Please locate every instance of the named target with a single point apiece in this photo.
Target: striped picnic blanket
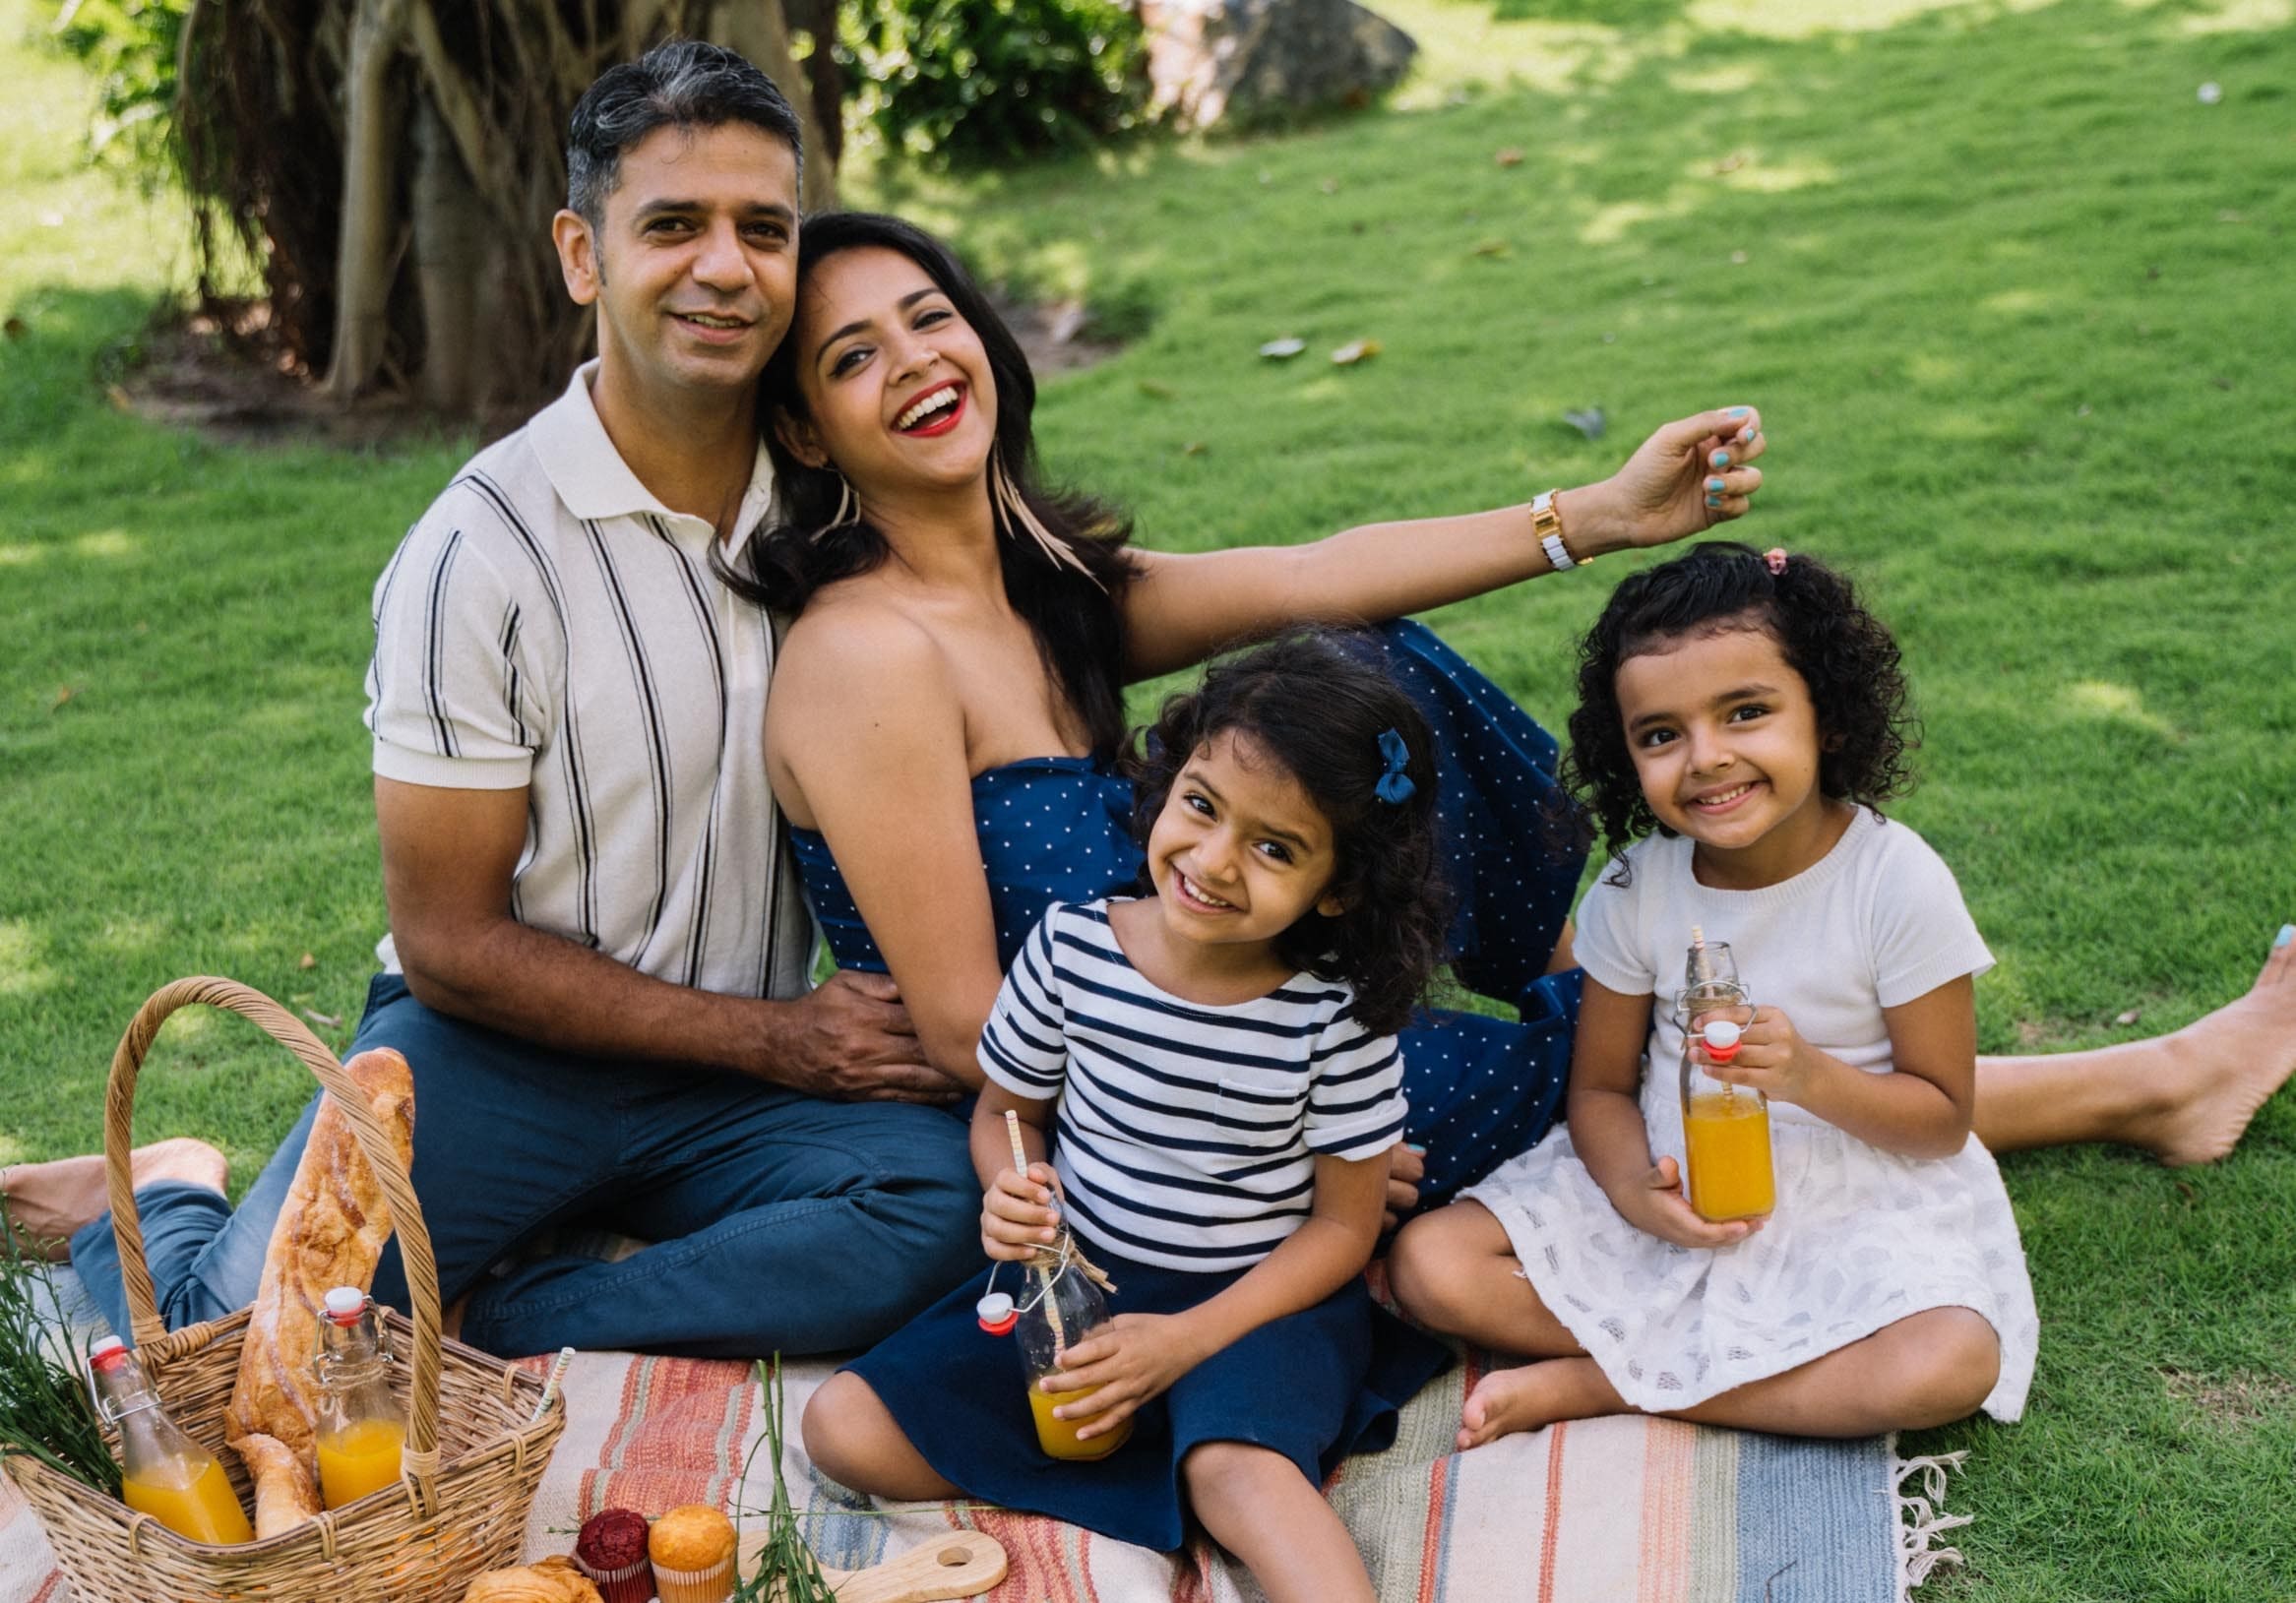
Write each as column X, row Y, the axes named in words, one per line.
column 1613, row 1510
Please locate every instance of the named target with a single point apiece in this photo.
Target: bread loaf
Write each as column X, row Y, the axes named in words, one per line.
column 329, row 1233
column 553, row 1580
column 283, row 1494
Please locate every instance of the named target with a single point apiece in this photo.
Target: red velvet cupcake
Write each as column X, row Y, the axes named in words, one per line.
column 611, row 1550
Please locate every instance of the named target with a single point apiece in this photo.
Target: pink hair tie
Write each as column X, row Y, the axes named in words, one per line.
column 1776, row 559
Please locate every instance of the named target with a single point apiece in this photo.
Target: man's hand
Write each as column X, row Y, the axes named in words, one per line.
column 1657, row 1206
column 1127, row 1362
column 850, row 1040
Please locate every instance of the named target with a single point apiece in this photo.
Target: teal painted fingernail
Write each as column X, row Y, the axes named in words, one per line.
column 2286, row 935
column 1722, row 459
column 1713, row 486
column 1715, row 503
column 1746, row 435
column 1738, row 411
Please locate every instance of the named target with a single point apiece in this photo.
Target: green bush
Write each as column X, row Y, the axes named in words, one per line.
column 130, row 45
column 973, row 81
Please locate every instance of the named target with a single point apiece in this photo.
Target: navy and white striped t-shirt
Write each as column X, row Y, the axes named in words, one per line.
column 1186, row 1135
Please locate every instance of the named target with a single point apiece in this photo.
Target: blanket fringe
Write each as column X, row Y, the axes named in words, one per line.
column 1918, row 1491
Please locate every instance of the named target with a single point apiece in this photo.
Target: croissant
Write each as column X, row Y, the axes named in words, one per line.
column 329, row 1233
column 553, row 1580
column 283, row 1494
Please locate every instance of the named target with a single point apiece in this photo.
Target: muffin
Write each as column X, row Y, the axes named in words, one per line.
column 692, row 1555
column 611, row 1550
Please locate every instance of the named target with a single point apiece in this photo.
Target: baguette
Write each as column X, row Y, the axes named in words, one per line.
column 329, row 1233
column 283, row 1494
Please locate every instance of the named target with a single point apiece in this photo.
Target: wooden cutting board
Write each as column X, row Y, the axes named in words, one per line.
column 963, row 1563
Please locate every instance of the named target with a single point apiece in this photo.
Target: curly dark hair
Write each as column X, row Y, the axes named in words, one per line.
column 1077, row 620
column 1317, row 703
column 1843, row 653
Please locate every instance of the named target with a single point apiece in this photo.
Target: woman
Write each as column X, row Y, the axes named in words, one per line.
column 951, row 695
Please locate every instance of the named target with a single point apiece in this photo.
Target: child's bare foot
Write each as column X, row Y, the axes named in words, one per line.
column 1530, row 1397
column 47, row 1201
column 2218, row 1071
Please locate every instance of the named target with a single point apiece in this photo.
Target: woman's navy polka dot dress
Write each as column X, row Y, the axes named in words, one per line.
column 1481, row 1089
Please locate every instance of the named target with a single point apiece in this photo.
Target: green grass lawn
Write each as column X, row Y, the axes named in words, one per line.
column 2017, row 308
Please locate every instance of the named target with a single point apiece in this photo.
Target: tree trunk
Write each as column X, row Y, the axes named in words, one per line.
column 760, row 31
column 452, row 257
column 367, row 251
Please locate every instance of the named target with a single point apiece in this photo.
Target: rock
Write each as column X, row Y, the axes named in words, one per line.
column 1242, row 62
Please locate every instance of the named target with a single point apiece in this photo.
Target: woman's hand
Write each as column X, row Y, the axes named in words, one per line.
column 1020, row 1213
column 1771, row 1056
column 1406, row 1167
column 1656, row 1205
column 1127, row 1362
column 1689, row 475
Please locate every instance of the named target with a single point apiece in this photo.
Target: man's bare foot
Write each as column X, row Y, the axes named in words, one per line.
column 1530, row 1397
column 2217, row 1071
column 47, row 1201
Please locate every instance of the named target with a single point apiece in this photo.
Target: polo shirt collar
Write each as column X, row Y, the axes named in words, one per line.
column 594, row 483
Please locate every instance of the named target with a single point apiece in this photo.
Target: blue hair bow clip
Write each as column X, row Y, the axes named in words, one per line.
column 1394, row 785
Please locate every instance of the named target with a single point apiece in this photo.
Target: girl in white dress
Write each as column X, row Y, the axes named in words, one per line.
column 1740, row 717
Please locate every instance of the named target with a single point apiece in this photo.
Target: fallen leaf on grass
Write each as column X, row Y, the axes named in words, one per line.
column 1282, row 350
column 1492, row 247
column 306, row 961
column 2129, row 1016
column 1731, row 162
column 1590, row 421
column 118, row 399
column 1355, row 350
column 1157, row 391
column 326, row 1020
column 1194, row 448
column 64, row 693
column 1508, row 158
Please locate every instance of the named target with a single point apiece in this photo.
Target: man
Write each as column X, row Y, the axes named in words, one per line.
column 598, row 961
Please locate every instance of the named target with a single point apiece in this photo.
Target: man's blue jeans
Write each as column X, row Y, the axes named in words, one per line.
column 778, row 1221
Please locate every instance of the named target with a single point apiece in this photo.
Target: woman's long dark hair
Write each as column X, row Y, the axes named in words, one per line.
column 1318, row 702
column 1077, row 620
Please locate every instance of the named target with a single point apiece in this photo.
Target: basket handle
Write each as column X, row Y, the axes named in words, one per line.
column 151, row 1338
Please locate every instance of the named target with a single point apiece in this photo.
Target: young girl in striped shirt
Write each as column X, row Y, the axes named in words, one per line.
column 1216, row 1062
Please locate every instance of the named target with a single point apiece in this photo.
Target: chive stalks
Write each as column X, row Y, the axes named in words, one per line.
column 45, row 1411
column 786, row 1570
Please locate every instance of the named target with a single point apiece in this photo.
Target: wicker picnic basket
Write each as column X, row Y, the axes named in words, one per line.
column 474, row 1450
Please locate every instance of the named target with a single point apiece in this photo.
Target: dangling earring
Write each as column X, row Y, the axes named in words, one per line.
column 1014, row 516
column 848, row 507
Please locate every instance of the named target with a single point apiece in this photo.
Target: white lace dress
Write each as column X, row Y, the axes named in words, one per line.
column 1860, row 1238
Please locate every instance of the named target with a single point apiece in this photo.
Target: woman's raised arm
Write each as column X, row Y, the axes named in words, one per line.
column 1182, row 608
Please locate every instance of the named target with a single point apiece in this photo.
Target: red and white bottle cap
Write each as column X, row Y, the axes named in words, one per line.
column 1721, row 1038
column 107, row 1354
column 345, row 1304
column 996, row 1313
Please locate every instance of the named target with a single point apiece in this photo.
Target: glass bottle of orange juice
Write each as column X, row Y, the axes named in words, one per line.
column 1725, row 1127
column 163, row 1473
column 1059, row 1308
column 361, row 1432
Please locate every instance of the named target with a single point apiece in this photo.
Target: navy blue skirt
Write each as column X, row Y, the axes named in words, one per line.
column 1314, row 1387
